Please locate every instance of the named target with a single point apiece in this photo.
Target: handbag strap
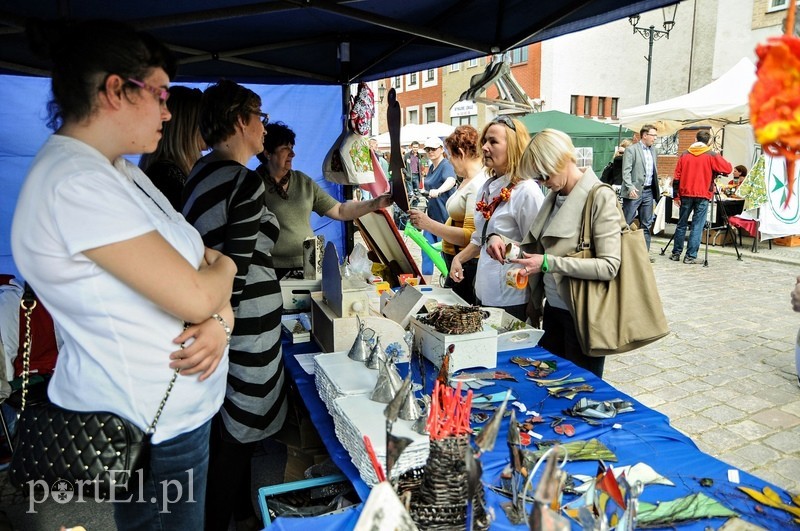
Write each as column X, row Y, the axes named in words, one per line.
column 28, row 302
column 586, row 223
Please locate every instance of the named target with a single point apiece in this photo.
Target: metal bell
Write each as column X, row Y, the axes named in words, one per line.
column 376, row 355
column 358, row 352
column 384, row 390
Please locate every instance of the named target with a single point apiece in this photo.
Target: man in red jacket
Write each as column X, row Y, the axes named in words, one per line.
column 693, row 187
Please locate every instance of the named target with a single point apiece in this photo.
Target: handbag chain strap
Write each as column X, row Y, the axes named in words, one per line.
column 28, row 303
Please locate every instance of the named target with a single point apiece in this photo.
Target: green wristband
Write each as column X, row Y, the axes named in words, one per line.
column 545, row 267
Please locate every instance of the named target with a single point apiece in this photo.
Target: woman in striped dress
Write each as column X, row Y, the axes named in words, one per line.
column 224, row 200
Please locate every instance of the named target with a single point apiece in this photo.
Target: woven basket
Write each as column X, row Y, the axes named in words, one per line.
column 454, row 320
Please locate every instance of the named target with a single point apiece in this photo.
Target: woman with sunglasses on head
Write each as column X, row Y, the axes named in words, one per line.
column 555, row 233
column 119, row 269
column 292, row 196
column 507, row 204
column 467, row 160
column 225, row 201
column 180, row 146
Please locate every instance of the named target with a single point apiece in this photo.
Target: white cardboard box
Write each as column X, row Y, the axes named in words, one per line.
column 335, row 334
column 296, row 293
column 478, row 349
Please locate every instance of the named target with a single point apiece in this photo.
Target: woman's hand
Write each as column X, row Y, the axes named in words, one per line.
column 496, row 248
column 531, row 263
column 796, row 296
column 382, row 201
column 457, row 269
column 206, row 348
column 419, row 219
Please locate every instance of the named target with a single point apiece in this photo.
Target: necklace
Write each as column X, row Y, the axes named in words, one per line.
column 487, row 209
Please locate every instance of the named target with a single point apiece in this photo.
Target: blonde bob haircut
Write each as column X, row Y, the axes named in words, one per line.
column 548, row 153
column 516, row 140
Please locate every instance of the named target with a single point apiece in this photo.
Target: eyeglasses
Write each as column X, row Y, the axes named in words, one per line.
column 264, row 117
column 429, row 149
column 505, row 120
column 161, row 94
column 542, row 178
column 651, row 134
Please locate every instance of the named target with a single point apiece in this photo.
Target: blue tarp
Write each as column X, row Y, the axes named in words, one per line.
column 313, row 112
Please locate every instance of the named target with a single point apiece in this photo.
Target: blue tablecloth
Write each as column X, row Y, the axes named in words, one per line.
column 644, row 435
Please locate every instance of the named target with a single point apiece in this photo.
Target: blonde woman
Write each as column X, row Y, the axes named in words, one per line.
column 555, row 233
column 467, row 160
column 506, row 206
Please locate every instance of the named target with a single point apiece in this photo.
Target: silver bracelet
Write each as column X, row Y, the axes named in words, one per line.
column 224, row 324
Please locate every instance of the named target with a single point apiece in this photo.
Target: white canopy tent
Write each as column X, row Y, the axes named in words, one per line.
column 418, row 132
column 721, row 102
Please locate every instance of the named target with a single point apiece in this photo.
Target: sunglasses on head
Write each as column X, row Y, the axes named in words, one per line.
column 505, row 120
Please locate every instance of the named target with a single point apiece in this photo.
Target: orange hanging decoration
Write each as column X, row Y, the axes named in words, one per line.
column 775, row 98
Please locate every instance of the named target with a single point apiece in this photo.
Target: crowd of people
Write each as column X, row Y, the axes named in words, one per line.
column 176, row 263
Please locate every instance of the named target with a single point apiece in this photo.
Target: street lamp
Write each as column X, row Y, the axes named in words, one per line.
column 652, row 34
column 381, row 92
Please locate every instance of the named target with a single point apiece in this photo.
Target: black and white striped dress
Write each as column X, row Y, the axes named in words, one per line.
column 225, row 202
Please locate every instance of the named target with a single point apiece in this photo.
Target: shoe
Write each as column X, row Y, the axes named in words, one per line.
column 652, row 260
column 675, row 257
column 689, row 260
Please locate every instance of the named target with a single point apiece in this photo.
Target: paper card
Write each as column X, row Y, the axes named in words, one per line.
column 306, row 361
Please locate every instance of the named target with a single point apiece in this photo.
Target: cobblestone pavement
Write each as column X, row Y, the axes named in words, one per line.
column 726, row 374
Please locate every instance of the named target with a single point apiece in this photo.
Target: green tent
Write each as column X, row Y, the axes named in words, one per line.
column 601, row 137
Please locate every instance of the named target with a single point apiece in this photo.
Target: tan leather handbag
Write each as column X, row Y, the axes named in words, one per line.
column 624, row 313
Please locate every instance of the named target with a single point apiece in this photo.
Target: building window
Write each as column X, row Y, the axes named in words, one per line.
column 472, row 120
column 396, row 82
column 587, row 105
column 573, row 105
column 430, row 114
column 614, row 107
column 455, row 67
column 584, row 156
column 777, row 5
column 517, row 55
column 413, row 116
column 601, row 107
column 412, row 78
column 472, row 63
column 429, row 78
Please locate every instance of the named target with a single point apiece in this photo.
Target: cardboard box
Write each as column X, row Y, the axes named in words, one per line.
column 718, row 237
column 478, row 349
column 788, row 241
column 297, row 294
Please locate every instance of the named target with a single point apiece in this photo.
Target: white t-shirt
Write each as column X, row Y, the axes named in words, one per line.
column 511, row 219
column 117, row 343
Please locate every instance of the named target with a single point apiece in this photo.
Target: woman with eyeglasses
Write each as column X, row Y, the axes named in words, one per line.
column 180, row 146
column 226, row 202
column 467, row 160
column 555, row 233
column 506, row 206
column 292, row 196
column 119, row 269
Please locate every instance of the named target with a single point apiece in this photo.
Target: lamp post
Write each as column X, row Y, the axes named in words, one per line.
column 652, row 34
column 381, row 92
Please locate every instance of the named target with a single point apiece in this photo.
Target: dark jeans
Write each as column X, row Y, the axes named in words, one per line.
column 698, row 208
column 642, row 208
column 561, row 339
column 173, row 495
column 412, row 183
column 466, row 288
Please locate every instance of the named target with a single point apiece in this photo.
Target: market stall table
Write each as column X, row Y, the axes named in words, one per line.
column 643, row 435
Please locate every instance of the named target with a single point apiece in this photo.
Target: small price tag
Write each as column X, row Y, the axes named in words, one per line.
column 617, row 426
column 535, row 435
column 733, row 475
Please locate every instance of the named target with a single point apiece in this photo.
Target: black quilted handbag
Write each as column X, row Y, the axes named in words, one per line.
column 95, row 451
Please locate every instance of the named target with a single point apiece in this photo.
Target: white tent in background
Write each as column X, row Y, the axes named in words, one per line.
column 721, row 102
column 418, row 132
